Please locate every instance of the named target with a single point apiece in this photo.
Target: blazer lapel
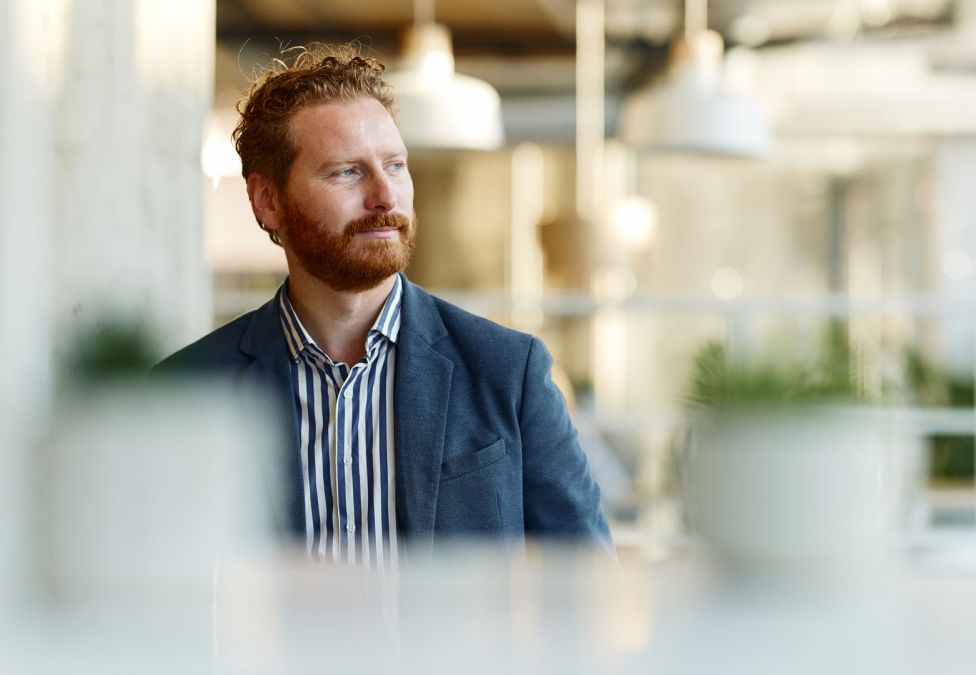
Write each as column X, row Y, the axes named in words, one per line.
column 270, row 374
column 422, row 384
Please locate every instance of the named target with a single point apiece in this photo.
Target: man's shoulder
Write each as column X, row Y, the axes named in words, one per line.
column 463, row 325
column 216, row 350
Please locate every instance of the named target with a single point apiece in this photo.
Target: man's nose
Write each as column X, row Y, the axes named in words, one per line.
column 380, row 195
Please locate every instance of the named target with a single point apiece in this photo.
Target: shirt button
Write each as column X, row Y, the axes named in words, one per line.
column 347, row 461
column 350, row 528
column 347, row 393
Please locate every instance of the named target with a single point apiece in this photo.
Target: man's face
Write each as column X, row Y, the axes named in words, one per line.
column 347, row 206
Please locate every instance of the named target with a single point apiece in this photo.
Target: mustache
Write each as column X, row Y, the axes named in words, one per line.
column 378, row 221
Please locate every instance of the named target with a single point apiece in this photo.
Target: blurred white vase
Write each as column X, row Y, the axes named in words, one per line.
column 145, row 488
column 816, row 488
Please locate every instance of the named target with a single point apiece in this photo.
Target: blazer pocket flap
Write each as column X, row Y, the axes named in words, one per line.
column 477, row 460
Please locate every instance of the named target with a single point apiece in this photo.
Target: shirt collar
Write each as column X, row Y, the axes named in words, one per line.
column 387, row 324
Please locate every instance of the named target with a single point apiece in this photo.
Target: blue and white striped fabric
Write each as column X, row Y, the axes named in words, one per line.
column 347, row 441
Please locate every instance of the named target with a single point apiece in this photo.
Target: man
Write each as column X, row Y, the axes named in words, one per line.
column 409, row 418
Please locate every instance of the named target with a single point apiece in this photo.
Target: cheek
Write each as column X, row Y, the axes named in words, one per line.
column 406, row 194
column 334, row 210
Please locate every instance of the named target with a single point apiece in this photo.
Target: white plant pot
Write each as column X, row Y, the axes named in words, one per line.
column 145, row 488
column 802, row 487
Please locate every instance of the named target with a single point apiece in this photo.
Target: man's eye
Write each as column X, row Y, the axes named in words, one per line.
column 347, row 171
column 398, row 166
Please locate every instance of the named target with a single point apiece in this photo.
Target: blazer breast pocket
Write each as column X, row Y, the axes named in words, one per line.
column 459, row 466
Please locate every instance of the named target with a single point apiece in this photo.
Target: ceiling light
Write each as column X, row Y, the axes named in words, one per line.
column 437, row 107
column 692, row 111
column 751, row 30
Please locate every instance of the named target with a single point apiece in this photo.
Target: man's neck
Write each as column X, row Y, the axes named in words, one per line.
column 338, row 321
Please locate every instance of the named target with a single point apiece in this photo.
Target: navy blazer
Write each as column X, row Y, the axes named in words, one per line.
column 484, row 443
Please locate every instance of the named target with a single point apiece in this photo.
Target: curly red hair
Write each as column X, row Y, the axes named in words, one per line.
column 317, row 74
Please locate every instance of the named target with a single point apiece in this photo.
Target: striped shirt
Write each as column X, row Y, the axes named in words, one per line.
column 346, row 439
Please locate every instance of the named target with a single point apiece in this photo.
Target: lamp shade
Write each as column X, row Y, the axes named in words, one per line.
column 691, row 113
column 438, row 108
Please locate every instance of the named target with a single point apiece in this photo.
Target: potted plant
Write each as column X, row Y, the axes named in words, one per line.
column 790, row 464
column 143, row 483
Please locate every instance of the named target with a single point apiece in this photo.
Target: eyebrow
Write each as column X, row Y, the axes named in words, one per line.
column 325, row 166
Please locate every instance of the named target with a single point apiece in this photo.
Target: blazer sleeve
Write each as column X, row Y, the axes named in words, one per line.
column 561, row 499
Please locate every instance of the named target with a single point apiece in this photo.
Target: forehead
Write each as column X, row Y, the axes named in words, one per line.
column 344, row 130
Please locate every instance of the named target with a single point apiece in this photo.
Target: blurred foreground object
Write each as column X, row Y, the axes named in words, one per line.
column 114, row 350
column 549, row 611
column 143, row 491
column 144, row 488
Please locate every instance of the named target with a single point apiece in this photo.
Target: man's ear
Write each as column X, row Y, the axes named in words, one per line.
column 265, row 201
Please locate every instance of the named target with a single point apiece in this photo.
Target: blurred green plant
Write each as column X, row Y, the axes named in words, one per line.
column 953, row 458
column 937, row 387
column 113, row 349
column 834, row 376
column 831, row 376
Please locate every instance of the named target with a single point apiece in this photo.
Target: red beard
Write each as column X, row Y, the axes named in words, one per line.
column 346, row 262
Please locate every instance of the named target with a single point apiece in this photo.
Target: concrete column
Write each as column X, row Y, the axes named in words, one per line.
column 129, row 235
column 101, row 118
column 30, row 81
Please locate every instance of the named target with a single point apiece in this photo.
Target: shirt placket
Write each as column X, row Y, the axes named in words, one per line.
column 323, row 472
column 347, row 452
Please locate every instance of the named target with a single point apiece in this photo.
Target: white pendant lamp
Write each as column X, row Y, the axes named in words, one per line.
column 438, row 108
column 691, row 112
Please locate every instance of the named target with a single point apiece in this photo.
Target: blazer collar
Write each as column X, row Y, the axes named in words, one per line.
column 420, row 314
column 262, row 331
